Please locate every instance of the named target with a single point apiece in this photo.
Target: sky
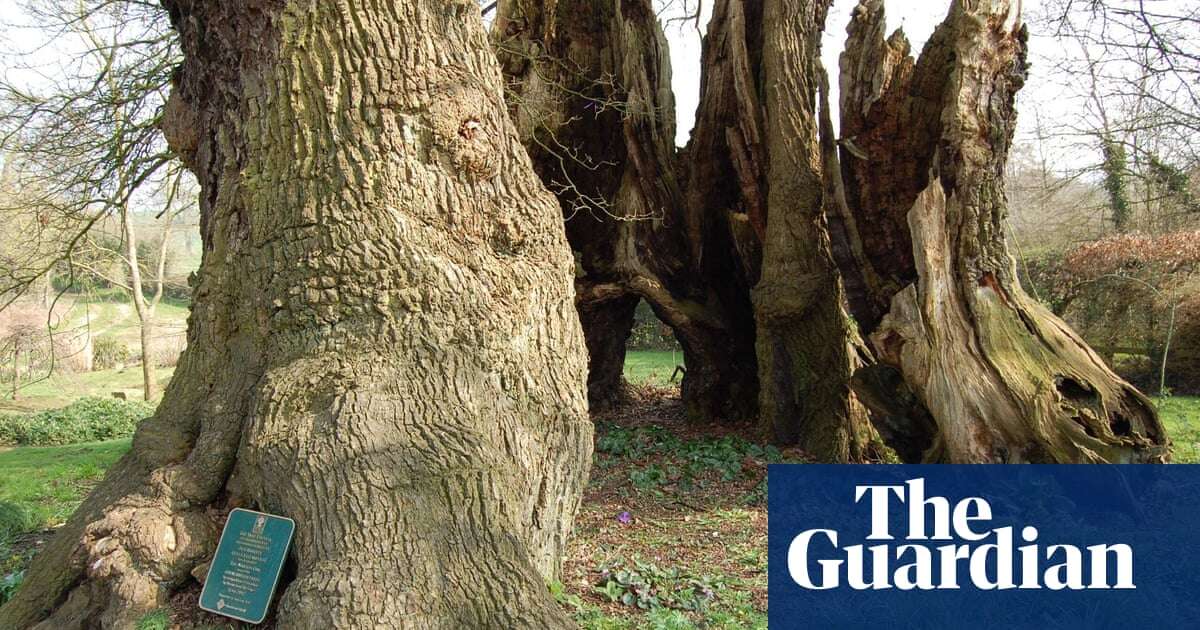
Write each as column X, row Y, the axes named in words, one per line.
column 918, row 18
column 1040, row 97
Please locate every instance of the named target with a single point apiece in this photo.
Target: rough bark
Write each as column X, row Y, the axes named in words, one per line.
column 757, row 194
column 589, row 86
column 383, row 343
column 606, row 312
column 972, row 369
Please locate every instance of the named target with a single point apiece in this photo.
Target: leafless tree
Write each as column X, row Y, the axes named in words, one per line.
column 1134, row 68
column 83, row 131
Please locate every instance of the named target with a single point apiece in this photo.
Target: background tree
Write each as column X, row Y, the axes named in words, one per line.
column 86, row 144
column 1132, row 69
column 382, row 344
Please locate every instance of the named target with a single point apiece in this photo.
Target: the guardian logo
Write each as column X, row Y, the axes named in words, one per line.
column 973, row 554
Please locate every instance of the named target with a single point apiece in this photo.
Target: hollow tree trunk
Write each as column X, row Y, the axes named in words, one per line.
column 606, row 313
column 383, row 344
column 756, row 189
column 590, row 89
column 971, row 369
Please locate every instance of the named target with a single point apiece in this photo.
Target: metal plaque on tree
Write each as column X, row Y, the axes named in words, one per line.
column 245, row 569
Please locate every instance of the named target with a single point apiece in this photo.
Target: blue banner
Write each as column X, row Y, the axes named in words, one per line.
column 933, row 547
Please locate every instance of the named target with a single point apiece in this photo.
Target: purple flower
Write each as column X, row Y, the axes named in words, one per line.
column 625, row 517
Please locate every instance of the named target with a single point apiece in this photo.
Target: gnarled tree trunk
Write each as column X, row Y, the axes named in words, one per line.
column 757, row 178
column 383, row 344
column 807, row 346
column 972, row 369
column 590, row 89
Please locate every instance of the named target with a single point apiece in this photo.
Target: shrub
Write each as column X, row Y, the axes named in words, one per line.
column 14, row 520
column 648, row 333
column 167, row 349
column 9, row 584
column 108, row 353
column 85, row 420
column 1184, row 362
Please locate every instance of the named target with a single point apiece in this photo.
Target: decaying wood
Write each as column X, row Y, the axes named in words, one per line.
column 737, row 260
column 987, row 374
column 589, row 86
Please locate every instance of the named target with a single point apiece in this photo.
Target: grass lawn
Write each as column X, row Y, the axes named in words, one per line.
column 62, row 389
column 49, row 482
column 1181, row 416
column 652, row 367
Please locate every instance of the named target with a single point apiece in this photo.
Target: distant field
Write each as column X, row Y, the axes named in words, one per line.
column 61, row 389
column 106, row 314
column 652, row 366
column 112, row 314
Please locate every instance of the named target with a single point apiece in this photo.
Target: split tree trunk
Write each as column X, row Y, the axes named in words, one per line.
column 590, row 89
column 972, row 369
column 757, row 174
column 383, row 344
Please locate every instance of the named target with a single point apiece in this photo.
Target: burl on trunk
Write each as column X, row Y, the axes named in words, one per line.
column 383, row 344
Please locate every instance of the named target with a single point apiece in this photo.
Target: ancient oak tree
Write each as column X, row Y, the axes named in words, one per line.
column 694, row 231
column 383, row 344
column 810, row 277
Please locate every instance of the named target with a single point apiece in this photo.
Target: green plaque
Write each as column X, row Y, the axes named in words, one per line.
column 245, row 569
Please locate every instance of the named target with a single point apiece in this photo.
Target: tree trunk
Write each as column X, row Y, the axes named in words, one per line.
column 144, row 311
column 589, row 86
column 606, row 313
column 48, row 290
column 971, row 368
column 383, row 344
column 757, row 191
column 149, row 381
column 16, row 370
column 807, row 346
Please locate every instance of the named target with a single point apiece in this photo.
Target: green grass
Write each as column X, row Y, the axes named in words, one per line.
column 1181, row 416
column 49, row 482
column 697, row 536
column 652, row 367
column 157, row 620
column 62, row 389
